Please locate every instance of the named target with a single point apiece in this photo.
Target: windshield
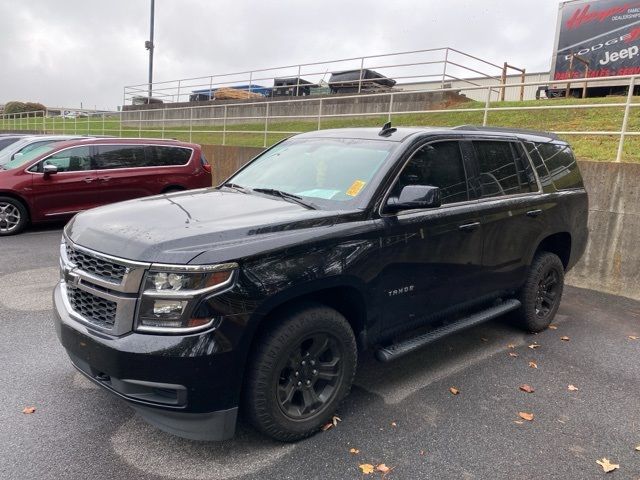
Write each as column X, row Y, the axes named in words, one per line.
column 331, row 172
column 24, row 158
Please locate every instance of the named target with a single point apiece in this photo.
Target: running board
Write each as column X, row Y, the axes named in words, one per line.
column 397, row 350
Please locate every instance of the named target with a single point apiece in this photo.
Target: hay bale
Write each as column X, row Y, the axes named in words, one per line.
column 234, row 94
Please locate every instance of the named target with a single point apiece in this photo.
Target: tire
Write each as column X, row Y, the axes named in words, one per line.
column 541, row 294
column 14, row 216
column 285, row 397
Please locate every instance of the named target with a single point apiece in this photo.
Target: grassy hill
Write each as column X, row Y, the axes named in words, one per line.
column 588, row 147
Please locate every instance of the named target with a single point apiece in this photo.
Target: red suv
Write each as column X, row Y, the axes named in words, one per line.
column 56, row 181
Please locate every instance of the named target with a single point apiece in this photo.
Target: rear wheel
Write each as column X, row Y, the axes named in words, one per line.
column 541, row 294
column 13, row 216
column 301, row 370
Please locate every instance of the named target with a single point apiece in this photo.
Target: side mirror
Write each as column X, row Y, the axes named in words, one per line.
column 50, row 169
column 416, row 196
column 16, row 155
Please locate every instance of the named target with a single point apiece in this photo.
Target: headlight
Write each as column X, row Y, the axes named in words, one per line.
column 170, row 297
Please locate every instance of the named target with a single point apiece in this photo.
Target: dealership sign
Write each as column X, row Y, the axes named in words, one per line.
column 605, row 33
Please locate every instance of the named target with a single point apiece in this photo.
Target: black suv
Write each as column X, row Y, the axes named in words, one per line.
column 258, row 294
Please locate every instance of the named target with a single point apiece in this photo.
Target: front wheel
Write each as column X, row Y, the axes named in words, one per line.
column 13, row 216
column 541, row 294
column 300, row 372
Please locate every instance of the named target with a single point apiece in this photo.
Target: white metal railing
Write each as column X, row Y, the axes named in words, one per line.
column 217, row 122
column 444, row 64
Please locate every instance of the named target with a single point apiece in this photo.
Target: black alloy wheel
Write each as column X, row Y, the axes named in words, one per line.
column 310, row 376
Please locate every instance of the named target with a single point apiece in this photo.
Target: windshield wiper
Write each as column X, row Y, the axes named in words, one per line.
column 237, row 187
column 286, row 196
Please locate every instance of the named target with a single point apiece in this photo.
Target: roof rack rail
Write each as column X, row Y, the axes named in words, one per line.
column 524, row 131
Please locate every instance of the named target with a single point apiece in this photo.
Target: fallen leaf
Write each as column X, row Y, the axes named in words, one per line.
column 527, row 388
column 382, row 468
column 366, row 468
column 638, row 448
column 333, row 423
column 511, row 345
column 519, row 422
column 564, row 339
column 607, row 466
column 533, row 364
column 533, row 346
column 633, row 337
column 526, row 416
column 572, row 388
column 355, row 451
column 394, row 424
column 28, row 410
column 422, row 451
column 454, row 391
column 513, row 354
column 552, row 327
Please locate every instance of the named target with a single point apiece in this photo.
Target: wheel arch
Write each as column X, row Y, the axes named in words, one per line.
column 19, row 198
column 557, row 243
column 343, row 295
column 173, row 188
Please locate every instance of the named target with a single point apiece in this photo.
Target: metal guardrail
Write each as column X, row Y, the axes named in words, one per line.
column 126, row 124
column 443, row 64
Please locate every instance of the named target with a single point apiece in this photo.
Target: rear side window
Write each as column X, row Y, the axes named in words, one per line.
column 503, row 169
column 439, row 165
column 562, row 165
column 541, row 168
column 160, row 156
column 119, row 156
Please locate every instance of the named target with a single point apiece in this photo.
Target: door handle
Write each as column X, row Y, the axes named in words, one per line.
column 468, row 227
column 534, row 213
column 104, row 179
column 89, row 179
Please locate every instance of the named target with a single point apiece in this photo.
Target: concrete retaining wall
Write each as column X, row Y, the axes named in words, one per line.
column 611, row 262
column 211, row 113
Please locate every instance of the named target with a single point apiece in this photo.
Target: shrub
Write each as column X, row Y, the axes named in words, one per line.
column 21, row 107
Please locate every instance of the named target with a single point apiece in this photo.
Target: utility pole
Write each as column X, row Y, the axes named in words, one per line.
column 149, row 46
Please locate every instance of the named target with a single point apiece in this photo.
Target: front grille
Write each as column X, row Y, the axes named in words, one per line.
column 94, row 309
column 96, row 266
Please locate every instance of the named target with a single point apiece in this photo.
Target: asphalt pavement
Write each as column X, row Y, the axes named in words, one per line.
column 401, row 414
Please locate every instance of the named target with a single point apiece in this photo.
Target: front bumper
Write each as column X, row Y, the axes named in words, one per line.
column 185, row 385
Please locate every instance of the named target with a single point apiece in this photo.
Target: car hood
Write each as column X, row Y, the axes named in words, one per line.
column 177, row 228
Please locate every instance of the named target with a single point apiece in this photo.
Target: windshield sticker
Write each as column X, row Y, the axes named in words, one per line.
column 319, row 193
column 355, row 188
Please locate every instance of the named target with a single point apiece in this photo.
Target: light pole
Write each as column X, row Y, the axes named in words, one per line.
column 149, row 46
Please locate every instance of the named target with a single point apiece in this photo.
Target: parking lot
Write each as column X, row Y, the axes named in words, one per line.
column 401, row 414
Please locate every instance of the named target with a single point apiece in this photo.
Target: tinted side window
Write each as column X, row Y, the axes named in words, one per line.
column 119, row 156
column 70, row 160
column 501, row 170
column 159, row 156
column 539, row 165
column 562, row 165
column 440, row 165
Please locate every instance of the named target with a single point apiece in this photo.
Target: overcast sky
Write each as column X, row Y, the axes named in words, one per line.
column 65, row 52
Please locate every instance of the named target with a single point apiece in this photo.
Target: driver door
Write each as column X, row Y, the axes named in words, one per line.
column 70, row 190
column 432, row 256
